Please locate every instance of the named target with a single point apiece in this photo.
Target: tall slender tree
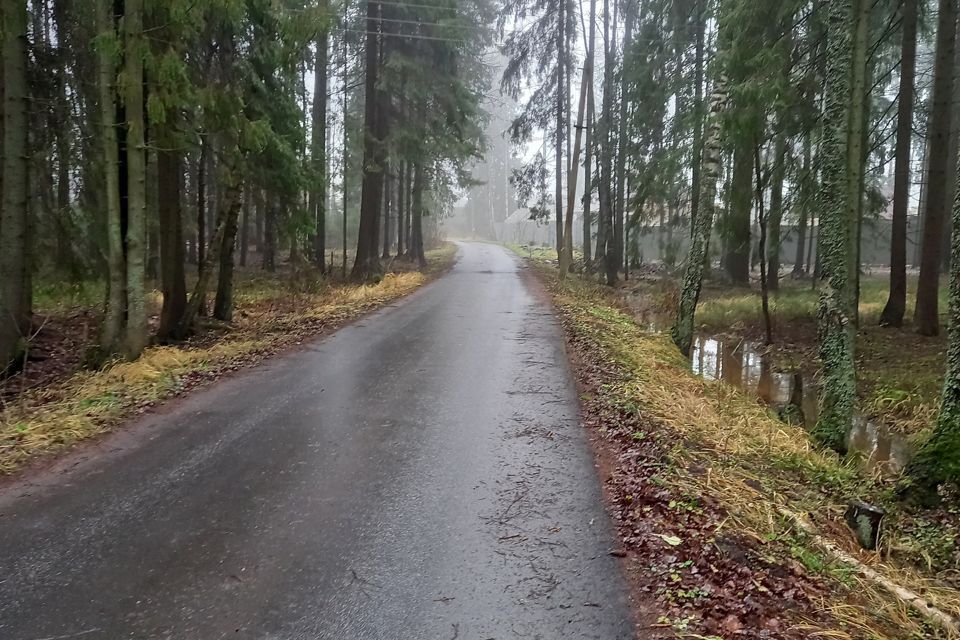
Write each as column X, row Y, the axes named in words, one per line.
column 927, row 314
column 835, row 321
column 14, row 321
column 367, row 264
column 318, row 149
column 134, row 49
column 893, row 311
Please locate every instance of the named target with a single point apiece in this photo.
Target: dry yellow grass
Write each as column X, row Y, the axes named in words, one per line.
column 267, row 317
column 755, row 464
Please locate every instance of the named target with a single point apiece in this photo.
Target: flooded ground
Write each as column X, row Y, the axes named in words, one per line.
column 793, row 395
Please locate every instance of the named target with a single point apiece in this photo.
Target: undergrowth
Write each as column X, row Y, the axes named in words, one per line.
column 756, row 466
column 901, row 392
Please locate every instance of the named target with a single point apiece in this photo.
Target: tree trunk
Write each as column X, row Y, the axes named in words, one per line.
column 566, row 256
column 14, row 327
column 775, row 217
column 65, row 259
column 620, row 171
column 893, row 311
column 938, row 459
column 945, row 236
column 682, row 331
column 366, row 264
column 173, row 281
column 701, row 18
column 836, row 223
column 387, row 210
column 858, row 148
column 206, row 272
column 136, row 327
column 609, row 252
column 401, row 207
column 258, row 219
column 152, row 213
column 202, row 201
column 269, row 235
column 762, row 224
column 318, row 151
column 927, row 316
column 416, row 234
column 245, row 225
column 738, row 225
column 115, row 313
column 560, row 128
column 806, row 189
column 231, row 202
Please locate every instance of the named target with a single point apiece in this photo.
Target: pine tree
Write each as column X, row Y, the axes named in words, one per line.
column 367, row 263
column 893, row 311
column 539, row 59
column 927, row 316
column 318, row 151
column 14, row 318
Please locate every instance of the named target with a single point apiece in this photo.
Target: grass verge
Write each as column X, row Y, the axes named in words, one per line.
column 271, row 314
column 702, row 475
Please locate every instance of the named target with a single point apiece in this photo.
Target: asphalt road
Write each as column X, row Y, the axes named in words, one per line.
column 418, row 474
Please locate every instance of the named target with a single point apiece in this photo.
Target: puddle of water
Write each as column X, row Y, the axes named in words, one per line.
column 794, row 395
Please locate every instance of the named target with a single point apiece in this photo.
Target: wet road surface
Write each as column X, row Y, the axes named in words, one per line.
column 419, row 474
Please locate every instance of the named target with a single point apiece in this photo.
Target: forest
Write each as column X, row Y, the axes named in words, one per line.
column 726, row 129
column 753, row 217
column 154, row 146
column 773, row 187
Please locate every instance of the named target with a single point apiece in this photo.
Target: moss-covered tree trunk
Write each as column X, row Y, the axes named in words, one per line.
column 938, row 459
column 13, row 215
column 835, row 323
column 682, row 331
column 893, row 311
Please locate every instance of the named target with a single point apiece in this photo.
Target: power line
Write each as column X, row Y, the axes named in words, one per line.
column 404, row 35
column 438, row 25
column 418, row 6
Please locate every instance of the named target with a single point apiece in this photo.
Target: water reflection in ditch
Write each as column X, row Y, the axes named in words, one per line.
column 792, row 394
